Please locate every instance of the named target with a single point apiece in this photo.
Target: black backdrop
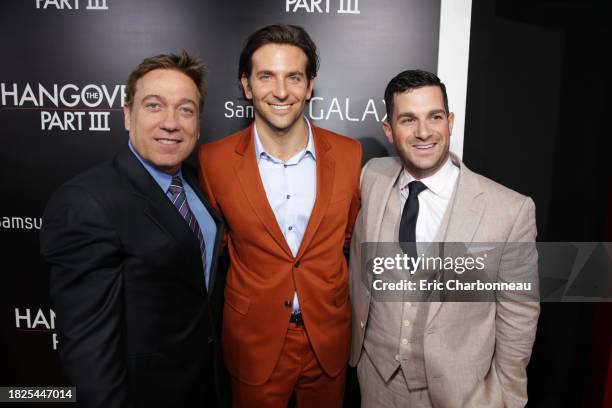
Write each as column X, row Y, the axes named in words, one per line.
column 61, row 83
column 535, row 118
column 537, row 103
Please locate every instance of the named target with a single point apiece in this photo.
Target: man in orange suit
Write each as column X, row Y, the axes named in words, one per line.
column 289, row 192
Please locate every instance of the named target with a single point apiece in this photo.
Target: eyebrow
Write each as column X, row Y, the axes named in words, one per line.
column 299, row 73
column 436, row 111
column 268, row 72
column 187, row 100
column 412, row 115
column 406, row 115
column 182, row 101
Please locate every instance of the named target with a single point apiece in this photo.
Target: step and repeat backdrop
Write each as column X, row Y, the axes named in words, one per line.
column 62, row 75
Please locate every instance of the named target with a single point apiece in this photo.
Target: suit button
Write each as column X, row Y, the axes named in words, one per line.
column 397, row 357
column 297, row 264
column 362, row 324
column 288, row 303
column 210, row 339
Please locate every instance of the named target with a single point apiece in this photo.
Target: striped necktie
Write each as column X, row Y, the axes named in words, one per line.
column 177, row 195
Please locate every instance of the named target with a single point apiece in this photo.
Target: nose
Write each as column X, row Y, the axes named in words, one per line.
column 423, row 130
column 169, row 122
column 280, row 89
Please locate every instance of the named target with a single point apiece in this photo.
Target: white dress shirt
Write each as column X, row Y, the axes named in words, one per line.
column 291, row 189
column 434, row 201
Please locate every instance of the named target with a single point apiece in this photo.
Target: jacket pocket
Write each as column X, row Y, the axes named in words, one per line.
column 237, row 300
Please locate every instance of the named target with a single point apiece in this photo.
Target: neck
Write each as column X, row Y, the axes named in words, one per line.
column 283, row 143
column 420, row 174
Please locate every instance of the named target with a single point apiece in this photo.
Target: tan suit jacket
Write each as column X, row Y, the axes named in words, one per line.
column 475, row 353
column 264, row 274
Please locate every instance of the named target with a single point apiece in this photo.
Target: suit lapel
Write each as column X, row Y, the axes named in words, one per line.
column 467, row 208
column 247, row 172
column 192, row 180
column 465, row 213
column 381, row 193
column 326, row 166
column 156, row 205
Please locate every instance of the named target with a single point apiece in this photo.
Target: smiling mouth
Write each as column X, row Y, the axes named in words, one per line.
column 168, row 141
column 280, row 108
column 424, row 147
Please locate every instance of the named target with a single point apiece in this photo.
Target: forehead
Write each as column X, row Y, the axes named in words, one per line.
column 167, row 83
column 416, row 99
column 279, row 57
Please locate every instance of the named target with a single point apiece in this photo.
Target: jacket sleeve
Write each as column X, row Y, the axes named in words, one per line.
column 355, row 202
column 84, row 256
column 515, row 320
column 206, row 187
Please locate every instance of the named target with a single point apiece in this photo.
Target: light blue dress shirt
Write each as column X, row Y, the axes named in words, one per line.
column 291, row 189
column 206, row 222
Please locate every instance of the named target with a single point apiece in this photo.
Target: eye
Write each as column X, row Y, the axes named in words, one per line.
column 264, row 77
column 438, row 116
column 153, row 106
column 295, row 78
column 186, row 110
column 406, row 120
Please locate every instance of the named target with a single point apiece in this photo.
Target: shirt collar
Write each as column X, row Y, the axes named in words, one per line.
column 163, row 179
column 436, row 183
column 260, row 150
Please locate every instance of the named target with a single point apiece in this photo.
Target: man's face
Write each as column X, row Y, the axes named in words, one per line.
column 420, row 130
column 164, row 118
column 278, row 87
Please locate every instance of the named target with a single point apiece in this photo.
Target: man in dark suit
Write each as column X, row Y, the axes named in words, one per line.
column 132, row 250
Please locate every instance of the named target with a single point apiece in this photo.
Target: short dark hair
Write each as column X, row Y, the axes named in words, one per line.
column 185, row 63
column 412, row 79
column 279, row 34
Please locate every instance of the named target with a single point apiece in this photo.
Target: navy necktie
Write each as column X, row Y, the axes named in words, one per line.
column 177, row 195
column 407, row 232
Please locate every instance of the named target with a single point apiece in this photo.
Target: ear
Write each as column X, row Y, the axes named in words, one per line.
column 451, row 122
column 246, row 86
column 126, row 117
column 311, row 83
column 388, row 131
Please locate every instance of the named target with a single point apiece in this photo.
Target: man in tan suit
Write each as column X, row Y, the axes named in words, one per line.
column 454, row 354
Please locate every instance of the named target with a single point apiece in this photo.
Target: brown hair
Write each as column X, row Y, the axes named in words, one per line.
column 279, row 34
column 185, row 63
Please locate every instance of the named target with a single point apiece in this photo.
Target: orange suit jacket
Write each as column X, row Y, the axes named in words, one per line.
column 263, row 273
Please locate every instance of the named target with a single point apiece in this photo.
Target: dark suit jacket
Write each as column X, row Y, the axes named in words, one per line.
column 136, row 325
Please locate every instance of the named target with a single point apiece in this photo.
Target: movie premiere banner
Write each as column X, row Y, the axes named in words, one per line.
column 64, row 66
